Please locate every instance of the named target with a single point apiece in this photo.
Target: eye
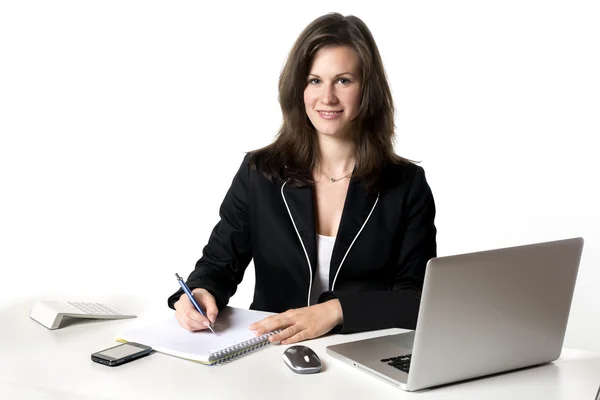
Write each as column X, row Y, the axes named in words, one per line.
column 344, row 81
column 314, row 81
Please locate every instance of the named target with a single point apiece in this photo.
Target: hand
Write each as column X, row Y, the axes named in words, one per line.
column 187, row 315
column 302, row 323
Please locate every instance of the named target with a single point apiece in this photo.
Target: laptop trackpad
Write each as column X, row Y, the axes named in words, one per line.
column 405, row 340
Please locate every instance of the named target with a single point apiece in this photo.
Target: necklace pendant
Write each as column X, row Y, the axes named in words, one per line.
column 332, row 179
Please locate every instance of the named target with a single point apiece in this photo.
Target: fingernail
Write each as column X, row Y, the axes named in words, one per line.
column 212, row 318
column 206, row 323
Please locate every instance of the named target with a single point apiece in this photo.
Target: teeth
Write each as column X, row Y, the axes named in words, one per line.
column 330, row 112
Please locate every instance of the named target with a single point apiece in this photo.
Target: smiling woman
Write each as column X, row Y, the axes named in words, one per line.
column 332, row 96
column 340, row 228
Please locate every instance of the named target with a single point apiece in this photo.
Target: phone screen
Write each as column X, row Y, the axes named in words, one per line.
column 120, row 351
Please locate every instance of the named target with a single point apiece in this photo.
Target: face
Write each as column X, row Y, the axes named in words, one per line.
column 332, row 94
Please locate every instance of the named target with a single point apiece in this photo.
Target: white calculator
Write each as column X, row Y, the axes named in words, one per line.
column 51, row 313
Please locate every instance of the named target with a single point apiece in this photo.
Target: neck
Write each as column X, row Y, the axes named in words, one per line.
column 337, row 156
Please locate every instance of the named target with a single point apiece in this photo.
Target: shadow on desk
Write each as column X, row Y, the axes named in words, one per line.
column 549, row 370
column 15, row 318
column 550, row 381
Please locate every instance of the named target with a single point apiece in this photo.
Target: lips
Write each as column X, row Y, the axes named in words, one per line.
column 330, row 115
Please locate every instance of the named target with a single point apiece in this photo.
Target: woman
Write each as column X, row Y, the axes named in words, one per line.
column 340, row 228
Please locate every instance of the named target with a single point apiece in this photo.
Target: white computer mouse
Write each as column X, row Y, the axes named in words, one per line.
column 302, row 360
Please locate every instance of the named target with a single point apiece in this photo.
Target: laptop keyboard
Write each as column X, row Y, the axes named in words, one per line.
column 400, row 362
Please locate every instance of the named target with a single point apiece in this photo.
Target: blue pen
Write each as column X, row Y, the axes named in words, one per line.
column 187, row 291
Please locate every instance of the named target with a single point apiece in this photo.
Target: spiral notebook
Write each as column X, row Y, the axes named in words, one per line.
column 231, row 339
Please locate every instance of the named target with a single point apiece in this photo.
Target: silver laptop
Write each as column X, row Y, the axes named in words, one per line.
column 481, row 313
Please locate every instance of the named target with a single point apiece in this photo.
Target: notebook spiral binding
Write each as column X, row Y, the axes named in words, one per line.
column 241, row 349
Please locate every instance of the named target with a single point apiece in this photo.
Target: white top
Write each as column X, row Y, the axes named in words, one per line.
column 321, row 281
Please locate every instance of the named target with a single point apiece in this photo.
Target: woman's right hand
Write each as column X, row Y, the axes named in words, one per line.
column 189, row 318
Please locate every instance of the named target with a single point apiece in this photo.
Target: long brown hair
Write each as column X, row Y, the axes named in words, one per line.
column 294, row 153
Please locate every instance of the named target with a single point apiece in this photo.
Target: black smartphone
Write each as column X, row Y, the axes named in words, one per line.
column 121, row 354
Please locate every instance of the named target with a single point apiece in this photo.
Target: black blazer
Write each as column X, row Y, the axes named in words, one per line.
column 378, row 263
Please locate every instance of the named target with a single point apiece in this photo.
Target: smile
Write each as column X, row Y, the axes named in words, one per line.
column 330, row 114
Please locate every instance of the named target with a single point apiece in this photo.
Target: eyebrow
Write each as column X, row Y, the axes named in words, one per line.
column 337, row 76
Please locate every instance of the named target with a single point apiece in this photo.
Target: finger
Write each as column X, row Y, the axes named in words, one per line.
column 188, row 316
column 270, row 324
column 209, row 303
column 256, row 326
column 195, row 319
column 202, row 297
column 190, row 324
column 285, row 334
column 300, row 336
column 187, row 323
column 275, row 321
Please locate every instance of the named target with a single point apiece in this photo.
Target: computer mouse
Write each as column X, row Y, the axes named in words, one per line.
column 302, row 360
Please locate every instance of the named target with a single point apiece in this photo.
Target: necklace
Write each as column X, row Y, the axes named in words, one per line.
column 338, row 179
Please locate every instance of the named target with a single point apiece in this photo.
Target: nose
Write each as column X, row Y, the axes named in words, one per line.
column 328, row 96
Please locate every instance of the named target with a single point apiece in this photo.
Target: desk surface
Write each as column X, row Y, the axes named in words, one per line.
column 36, row 363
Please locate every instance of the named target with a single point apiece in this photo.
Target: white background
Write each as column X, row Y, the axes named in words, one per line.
column 123, row 122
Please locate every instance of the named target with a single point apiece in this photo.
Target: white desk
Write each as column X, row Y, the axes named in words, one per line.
column 36, row 363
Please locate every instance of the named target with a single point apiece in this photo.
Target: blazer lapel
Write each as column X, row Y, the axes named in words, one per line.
column 357, row 207
column 300, row 202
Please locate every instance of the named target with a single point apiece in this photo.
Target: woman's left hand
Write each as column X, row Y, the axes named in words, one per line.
column 301, row 323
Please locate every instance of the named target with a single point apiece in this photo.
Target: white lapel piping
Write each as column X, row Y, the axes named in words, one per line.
column 351, row 244
column 304, row 248
column 301, row 242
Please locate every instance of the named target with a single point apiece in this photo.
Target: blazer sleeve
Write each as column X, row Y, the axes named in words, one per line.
column 228, row 251
column 398, row 307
